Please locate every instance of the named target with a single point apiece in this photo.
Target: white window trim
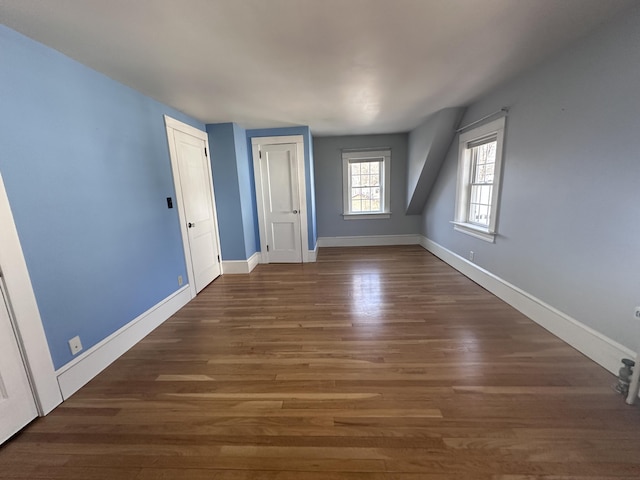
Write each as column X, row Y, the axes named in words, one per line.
column 460, row 223
column 385, row 183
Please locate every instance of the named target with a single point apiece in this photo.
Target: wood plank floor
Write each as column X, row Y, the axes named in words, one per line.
column 374, row 363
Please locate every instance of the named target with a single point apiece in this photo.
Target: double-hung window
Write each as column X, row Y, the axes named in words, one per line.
column 366, row 178
column 479, row 165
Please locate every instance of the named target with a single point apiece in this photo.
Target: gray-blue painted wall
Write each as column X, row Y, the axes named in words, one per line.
column 233, row 183
column 569, row 220
column 328, row 176
column 86, row 167
column 247, row 191
column 227, row 182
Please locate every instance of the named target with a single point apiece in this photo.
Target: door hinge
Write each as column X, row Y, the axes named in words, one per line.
column 205, row 151
column 259, row 153
column 267, row 248
column 218, row 258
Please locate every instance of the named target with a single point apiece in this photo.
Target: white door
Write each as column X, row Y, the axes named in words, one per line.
column 194, row 188
column 17, row 406
column 279, row 181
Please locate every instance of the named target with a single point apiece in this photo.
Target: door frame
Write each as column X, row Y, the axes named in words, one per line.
column 172, row 125
column 24, row 313
column 256, row 142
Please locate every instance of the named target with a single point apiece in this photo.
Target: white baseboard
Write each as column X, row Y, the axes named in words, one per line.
column 253, row 261
column 593, row 344
column 82, row 369
column 237, row 267
column 313, row 254
column 369, row 240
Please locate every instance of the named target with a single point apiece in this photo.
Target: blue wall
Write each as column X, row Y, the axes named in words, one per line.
column 232, row 181
column 309, row 176
column 87, row 170
column 246, row 184
column 225, row 184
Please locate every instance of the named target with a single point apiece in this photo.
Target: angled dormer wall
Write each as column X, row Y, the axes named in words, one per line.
column 428, row 146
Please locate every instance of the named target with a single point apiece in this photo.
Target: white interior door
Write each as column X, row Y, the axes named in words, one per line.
column 281, row 202
column 196, row 205
column 17, row 406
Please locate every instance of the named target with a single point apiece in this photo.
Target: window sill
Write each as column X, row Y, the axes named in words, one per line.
column 366, row 216
column 475, row 231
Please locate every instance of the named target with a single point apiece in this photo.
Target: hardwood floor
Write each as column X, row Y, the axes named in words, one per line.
column 373, row 363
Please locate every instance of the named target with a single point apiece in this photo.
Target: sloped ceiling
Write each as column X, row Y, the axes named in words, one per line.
column 339, row 66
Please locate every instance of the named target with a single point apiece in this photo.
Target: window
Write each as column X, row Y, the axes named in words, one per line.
column 479, row 163
column 366, row 176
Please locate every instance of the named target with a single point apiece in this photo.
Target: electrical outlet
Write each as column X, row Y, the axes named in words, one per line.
column 471, row 255
column 636, row 313
column 75, row 345
column 180, row 281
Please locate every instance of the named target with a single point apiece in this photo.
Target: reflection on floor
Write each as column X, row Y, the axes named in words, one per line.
column 373, row 363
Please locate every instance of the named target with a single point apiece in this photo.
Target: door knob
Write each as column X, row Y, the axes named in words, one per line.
column 191, row 225
column 295, row 211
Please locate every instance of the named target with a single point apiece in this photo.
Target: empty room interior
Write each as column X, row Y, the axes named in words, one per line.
column 298, row 239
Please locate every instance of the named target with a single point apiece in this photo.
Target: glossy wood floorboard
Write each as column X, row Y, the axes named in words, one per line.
column 373, row 363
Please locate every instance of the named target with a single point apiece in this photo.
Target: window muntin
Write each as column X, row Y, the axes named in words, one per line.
column 478, row 189
column 483, row 161
column 366, row 183
column 365, row 188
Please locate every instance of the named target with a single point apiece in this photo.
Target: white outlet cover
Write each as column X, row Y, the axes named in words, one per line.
column 75, row 345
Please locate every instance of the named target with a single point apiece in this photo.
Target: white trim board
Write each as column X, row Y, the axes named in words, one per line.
column 369, row 240
column 313, row 254
column 237, row 267
column 81, row 370
column 593, row 344
column 298, row 140
column 172, row 125
column 25, row 313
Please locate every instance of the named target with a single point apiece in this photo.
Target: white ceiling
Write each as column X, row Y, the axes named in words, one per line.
column 339, row 66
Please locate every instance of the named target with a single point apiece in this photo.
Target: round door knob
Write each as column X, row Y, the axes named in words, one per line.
column 191, row 225
column 295, row 211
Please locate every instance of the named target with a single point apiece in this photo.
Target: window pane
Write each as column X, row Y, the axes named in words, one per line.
column 374, row 167
column 481, row 194
column 364, row 167
column 485, row 194
column 355, row 181
column 356, row 199
column 479, row 214
column 489, row 172
column 475, row 195
column 483, row 161
column 374, row 179
column 483, row 211
column 473, row 213
column 355, row 168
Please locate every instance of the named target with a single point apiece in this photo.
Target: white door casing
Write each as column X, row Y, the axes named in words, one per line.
column 25, row 315
column 279, row 172
column 196, row 203
column 17, row 404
